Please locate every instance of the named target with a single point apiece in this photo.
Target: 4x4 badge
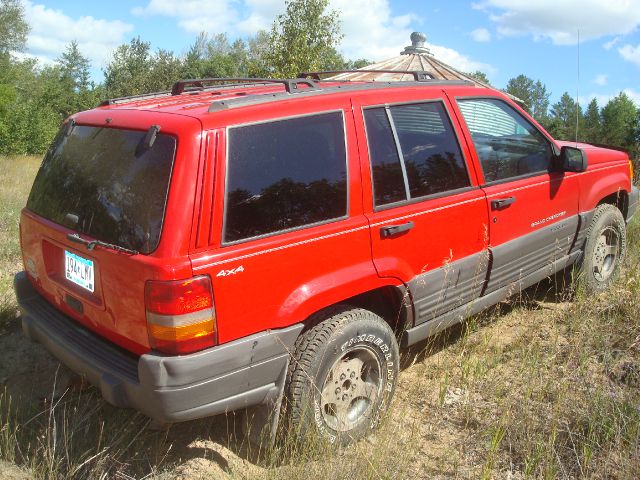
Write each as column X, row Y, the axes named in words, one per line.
column 226, row 273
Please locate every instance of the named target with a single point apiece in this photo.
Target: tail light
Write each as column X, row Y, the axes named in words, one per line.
column 631, row 171
column 180, row 315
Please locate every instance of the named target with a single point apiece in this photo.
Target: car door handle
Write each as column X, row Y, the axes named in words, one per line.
column 391, row 230
column 502, row 202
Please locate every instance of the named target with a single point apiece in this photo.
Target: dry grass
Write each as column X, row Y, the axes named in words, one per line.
column 16, row 177
column 542, row 386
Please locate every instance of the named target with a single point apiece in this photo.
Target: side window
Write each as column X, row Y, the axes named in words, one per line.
column 506, row 143
column 414, row 156
column 432, row 157
column 285, row 174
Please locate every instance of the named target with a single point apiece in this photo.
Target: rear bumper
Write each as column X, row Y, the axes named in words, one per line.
column 634, row 198
column 238, row 374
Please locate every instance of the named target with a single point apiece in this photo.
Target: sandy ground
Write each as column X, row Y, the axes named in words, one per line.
column 431, row 422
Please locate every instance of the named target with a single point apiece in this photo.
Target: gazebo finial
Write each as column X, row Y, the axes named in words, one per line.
column 417, row 45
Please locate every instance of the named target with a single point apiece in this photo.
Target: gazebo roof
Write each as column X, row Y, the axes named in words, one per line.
column 416, row 57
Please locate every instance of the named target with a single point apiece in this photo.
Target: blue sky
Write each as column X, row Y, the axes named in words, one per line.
column 503, row 38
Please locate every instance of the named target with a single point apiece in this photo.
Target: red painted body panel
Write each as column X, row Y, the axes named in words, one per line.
column 288, row 276
column 116, row 310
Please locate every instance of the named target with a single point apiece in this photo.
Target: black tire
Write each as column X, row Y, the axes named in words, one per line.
column 343, row 376
column 605, row 248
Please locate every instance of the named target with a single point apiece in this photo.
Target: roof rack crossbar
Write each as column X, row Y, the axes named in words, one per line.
column 418, row 75
column 290, row 84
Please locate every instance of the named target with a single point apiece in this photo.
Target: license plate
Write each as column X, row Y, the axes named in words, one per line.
column 79, row 270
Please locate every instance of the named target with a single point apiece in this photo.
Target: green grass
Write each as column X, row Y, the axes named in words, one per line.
column 537, row 387
column 16, row 177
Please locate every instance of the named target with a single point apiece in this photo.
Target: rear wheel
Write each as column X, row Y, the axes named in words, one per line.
column 343, row 376
column 605, row 248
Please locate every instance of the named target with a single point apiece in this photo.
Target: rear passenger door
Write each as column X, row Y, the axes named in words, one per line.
column 428, row 219
column 533, row 208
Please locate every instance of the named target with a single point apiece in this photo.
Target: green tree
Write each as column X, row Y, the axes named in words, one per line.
column 77, row 91
column 479, row 76
column 534, row 95
column 620, row 123
column 128, row 73
column 13, row 27
column 355, row 64
column 165, row 69
column 304, row 38
column 566, row 116
column 591, row 130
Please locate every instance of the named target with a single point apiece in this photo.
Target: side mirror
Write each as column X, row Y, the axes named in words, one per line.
column 572, row 159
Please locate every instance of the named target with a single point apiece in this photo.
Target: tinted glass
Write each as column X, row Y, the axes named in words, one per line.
column 388, row 181
column 104, row 183
column 506, row 143
column 430, row 150
column 285, row 174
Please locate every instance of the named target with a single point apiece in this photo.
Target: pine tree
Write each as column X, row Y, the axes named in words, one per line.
column 566, row 116
column 533, row 94
column 591, row 131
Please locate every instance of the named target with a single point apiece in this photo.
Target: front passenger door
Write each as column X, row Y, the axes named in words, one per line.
column 532, row 208
column 428, row 221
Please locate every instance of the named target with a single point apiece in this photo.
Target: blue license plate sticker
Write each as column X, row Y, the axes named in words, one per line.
column 79, row 270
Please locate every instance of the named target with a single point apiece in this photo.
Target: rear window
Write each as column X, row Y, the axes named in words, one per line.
column 104, row 183
column 285, row 174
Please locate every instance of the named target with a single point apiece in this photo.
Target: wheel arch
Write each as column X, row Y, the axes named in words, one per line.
column 619, row 199
column 390, row 302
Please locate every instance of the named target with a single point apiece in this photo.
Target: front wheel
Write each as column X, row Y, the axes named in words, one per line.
column 605, row 248
column 343, row 376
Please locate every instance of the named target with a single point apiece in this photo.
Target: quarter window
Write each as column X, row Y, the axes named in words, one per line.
column 388, row 179
column 506, row 143
column 285, row 174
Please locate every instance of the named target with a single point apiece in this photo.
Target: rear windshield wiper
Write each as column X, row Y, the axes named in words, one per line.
column 74, row 237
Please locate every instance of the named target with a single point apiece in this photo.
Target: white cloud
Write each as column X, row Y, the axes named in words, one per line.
column 611, row 43
column 560, row 21
column 603, row 99
column 600, row 79
column 52, row 30
column 481, row 35
column 370, row 29
column 372, row 32
column 630, row 53
column 194, row 16
column 460, row 61
column 263, row 12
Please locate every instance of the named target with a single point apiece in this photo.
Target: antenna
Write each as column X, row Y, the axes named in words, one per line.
column 578, row 92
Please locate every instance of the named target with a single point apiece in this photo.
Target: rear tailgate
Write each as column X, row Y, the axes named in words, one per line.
column 100, row 181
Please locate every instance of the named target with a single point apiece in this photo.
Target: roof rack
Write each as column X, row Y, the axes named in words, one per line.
column 290, row 84
column 418, row 75
column 144, row 96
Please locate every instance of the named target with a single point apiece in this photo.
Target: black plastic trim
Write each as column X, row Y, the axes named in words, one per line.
column 427, row 329
column 227, row 377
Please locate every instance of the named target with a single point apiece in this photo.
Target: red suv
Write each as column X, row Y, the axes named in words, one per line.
column 232, row 243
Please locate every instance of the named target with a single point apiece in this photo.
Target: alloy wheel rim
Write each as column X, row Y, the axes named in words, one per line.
column 350, row 389
column 606, row 253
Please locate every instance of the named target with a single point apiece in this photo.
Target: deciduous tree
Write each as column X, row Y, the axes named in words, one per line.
column 304, row 38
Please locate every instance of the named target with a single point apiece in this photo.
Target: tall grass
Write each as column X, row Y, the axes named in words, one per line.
column 16, row 176
column 536, row 387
